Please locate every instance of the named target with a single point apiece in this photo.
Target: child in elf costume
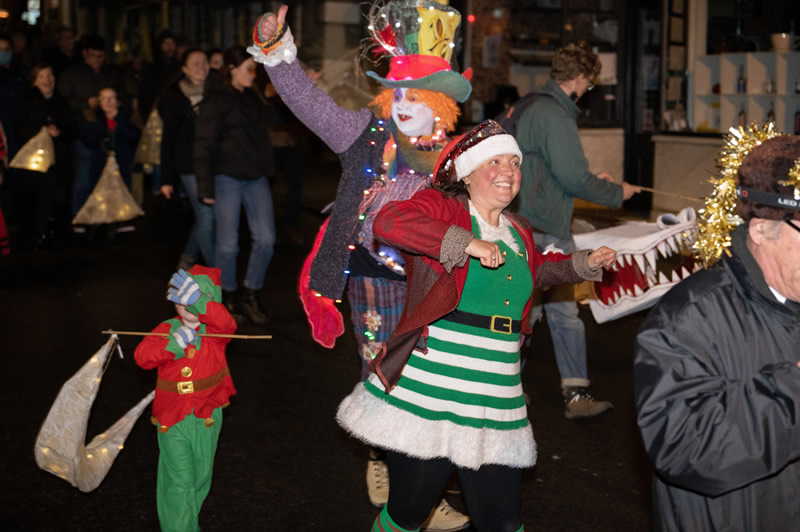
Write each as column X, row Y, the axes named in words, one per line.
column 388, row 152
column 193, row 386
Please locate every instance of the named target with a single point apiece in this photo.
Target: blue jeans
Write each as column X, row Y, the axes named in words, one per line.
column 566, row 328
column 256, row 196
column 201, row 238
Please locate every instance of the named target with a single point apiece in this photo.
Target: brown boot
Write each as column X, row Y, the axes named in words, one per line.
column 251, row 307
column 232, row 303
column 579, row 403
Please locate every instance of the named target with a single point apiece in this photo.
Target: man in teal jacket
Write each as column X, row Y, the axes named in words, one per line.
column 554, row 172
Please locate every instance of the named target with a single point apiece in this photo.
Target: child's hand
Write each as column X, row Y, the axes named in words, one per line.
column 184, row 336
column 184, row 290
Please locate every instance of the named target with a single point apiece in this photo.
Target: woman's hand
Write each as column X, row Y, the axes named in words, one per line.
column 488, row 252
column 208, row 201
column 602, row 257
column 269, row 26
column 166, row 190
column 53, row 130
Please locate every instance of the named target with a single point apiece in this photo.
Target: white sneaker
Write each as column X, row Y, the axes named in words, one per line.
column 445, row 518
column 377, row 482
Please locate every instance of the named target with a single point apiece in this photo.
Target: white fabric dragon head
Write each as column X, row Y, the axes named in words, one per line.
column 651, row 259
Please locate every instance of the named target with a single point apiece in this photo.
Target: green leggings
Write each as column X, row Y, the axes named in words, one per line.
column 185, row 466
column 384, row 523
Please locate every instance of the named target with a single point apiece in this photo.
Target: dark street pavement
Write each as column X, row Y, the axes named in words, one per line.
column 283, row 464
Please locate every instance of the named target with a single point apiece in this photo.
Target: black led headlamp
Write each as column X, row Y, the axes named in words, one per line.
column 768, row 198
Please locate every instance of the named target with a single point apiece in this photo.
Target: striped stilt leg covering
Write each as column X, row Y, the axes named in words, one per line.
column 384, row 523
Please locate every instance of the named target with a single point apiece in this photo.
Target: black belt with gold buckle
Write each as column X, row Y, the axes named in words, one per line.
column 495, row 323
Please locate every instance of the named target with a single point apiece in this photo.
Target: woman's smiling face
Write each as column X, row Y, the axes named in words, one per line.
column 495, row 183
column 413, row 116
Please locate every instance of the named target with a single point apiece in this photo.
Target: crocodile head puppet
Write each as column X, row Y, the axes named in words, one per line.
column 651, row 258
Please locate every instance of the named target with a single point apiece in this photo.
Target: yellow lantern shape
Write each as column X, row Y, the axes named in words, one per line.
column 110, row 201
column 37, row 155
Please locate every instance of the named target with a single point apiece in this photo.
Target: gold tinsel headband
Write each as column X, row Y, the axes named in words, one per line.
column 718, row 218
column 794, row 179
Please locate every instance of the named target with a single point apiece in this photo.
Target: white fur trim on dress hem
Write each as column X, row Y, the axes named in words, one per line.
column 376, row 422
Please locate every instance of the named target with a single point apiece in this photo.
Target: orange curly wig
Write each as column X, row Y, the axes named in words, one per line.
column 443, row 107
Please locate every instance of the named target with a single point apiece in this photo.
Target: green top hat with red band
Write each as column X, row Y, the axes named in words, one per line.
column 420, row 35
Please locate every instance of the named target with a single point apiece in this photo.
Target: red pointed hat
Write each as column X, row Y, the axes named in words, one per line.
column 209, row 280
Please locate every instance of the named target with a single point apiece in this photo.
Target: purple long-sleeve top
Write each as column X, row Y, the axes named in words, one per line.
column 358, row 139
column 336, row 126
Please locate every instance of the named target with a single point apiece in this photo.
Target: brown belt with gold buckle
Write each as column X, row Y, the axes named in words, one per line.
column 183, row 387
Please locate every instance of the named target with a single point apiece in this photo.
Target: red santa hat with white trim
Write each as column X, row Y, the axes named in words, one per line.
column 464, row 154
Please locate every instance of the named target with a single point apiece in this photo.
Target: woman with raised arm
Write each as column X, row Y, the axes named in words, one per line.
column 388, row 152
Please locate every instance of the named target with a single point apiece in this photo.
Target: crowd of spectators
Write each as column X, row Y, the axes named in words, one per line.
column 92, row 108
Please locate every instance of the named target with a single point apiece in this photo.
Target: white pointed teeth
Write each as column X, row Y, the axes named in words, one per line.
column 662, row 279
column 651, row 258
column 671, row 243
column 640, row 262
column 637, row 291
column 684, row 272
column 662, row 249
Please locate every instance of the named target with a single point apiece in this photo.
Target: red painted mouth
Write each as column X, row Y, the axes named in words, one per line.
column 403, row 118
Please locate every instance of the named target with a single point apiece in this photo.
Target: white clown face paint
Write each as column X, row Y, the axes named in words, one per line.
column 412, row 116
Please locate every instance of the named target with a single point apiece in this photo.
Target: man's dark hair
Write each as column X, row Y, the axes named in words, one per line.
column 185, row 55
column 94, row 42
column 163, row 36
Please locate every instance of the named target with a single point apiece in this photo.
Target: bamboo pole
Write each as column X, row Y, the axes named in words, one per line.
column 210, row 335
column 674, row 195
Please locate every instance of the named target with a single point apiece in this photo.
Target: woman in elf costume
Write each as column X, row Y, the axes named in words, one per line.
column 388, row 152
column 446, row 393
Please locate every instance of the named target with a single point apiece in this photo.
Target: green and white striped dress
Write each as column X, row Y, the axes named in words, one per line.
column 463, row 399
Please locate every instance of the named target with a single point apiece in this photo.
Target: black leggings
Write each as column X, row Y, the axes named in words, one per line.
column 492, row 493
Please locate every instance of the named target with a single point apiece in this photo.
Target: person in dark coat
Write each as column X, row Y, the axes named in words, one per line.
column 716, row 374
column 165, row 70
column 80, row 84
column 63, row 53
column 233, row 163
column 178, row 108
column 12, row 86
column 41, row 107
column 109, row 129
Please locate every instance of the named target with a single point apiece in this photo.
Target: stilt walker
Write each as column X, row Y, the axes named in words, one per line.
column 388, row 152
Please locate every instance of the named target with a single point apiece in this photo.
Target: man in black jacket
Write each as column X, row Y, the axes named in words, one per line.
column 716, row 369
